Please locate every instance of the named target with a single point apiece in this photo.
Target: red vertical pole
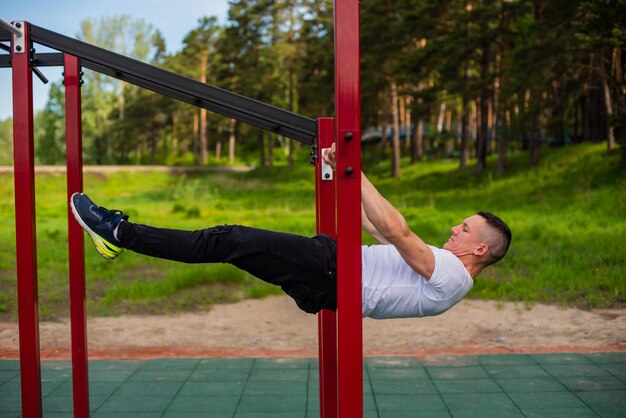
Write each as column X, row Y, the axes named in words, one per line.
column 74, row 158
column 326, row 320
column 348, row 139
column 26, row 242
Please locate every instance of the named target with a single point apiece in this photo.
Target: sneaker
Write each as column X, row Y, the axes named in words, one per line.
column 99, row 223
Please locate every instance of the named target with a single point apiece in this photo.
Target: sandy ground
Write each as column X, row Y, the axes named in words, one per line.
column 274, row 327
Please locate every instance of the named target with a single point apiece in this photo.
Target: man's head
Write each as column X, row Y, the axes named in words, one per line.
column 483, row 235
column 497, row 235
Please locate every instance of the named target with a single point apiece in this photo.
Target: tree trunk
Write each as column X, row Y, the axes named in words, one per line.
column 558, row 127
column 575, row 137
column 154, row 140
column 503, row 115
column 491, row 125
column 535, row 142
column 534, row 98
column 449, row 144
column 231, row 141
column 203, row 137
column 474, row 115
column 417, row 140
column 617, row 73
column 441, row 117
column 401, row 116
column 417, row 144
column 609, row 113
column 203, row 125
column 464, row 158
column 594, row 108
column 524, row 105
column 608, row 105
column 495, row 108
column 196, row 129
column 121, row 101
column 465, row 114
column 290, row 152
column 262, row 160
column 270, row 150
column 407, row 120
column 464, row 148
column 175, row 141
column 502, row 149
column 218, row 150
column 395, row 162
column 140, row 148
column 481, row 141
column 290, row 103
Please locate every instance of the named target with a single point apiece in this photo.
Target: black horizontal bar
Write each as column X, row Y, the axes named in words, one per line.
column 5, row 35
column 56, row 59
column 47, row 59
column 193, row 100
column 213, row 98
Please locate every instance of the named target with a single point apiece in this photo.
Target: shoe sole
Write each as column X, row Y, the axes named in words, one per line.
column 106, row 250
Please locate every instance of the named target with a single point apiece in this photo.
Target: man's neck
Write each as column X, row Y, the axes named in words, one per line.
column 472, row 267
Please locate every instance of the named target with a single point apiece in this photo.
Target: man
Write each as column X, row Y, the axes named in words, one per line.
column 402, row 277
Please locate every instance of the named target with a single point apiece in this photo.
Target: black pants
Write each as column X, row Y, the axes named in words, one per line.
column 305, row 268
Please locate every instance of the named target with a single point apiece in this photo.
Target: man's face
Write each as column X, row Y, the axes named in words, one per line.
column 466, row 236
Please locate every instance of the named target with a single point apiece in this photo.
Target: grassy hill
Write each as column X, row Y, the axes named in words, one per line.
column 568, row 217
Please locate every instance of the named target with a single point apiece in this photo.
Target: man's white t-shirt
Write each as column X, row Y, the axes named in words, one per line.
column 392, row 289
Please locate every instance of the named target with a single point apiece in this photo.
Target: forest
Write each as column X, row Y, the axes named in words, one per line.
column 460, row 79
column 517, row 106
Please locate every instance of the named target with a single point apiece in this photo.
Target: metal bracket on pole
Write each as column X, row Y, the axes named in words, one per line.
column 313, row 159
column 327, row 170
column 33, row 60
column 17, row 29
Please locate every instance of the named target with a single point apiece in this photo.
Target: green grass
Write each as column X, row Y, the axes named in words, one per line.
column 568, row 217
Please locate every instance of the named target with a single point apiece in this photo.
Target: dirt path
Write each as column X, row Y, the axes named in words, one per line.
column 275, row 327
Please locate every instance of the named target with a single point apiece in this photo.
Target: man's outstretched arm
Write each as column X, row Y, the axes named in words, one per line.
column 370, row 228
column 385, row 223
column 394, row 229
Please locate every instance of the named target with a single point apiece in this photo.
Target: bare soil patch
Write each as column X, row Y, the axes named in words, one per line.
column 274, row 327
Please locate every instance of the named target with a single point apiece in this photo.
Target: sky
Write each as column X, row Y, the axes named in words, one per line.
column 174, row 18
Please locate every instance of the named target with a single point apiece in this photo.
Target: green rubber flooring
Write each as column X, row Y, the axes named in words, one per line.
column 517, row 385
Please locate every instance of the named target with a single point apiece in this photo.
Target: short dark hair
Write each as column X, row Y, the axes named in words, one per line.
column 500, row 245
